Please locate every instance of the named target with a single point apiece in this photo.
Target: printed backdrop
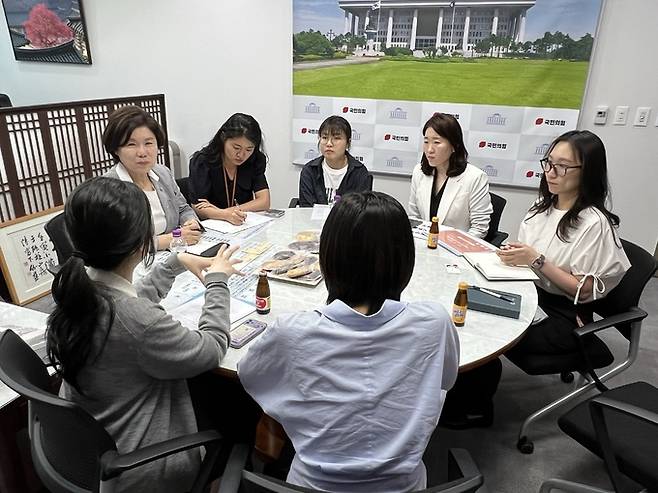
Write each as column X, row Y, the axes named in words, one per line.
column 505, row 140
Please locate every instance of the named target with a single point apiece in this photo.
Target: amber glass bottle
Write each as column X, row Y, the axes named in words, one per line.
column 460, row 305
column 433, row 236
column 263, row 301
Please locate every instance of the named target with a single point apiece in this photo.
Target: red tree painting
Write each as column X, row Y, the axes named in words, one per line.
column 44, row 29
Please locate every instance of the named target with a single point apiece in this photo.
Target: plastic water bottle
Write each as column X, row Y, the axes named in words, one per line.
column 178, row 243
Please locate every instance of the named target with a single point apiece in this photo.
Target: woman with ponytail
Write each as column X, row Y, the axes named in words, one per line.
column 121, row 356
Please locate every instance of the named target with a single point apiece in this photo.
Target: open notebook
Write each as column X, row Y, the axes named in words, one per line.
column 493, row 269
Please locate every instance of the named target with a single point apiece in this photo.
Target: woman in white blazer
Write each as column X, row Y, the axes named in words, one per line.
column 445, row 185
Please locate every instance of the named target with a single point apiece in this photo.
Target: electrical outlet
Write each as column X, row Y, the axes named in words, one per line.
column 642, row 116
column 621, row 115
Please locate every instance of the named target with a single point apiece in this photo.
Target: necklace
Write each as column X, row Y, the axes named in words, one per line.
column 230, row 201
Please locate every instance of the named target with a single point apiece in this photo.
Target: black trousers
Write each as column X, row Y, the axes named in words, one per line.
column 554, row 335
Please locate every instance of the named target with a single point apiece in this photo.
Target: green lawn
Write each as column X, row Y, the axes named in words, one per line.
column 543, row 83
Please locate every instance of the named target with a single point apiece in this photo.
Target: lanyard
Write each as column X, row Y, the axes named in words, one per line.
column 230, row 201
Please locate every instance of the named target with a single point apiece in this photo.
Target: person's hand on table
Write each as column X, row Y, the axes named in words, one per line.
column 191, row 231
column 235, row 215
column 515, row 253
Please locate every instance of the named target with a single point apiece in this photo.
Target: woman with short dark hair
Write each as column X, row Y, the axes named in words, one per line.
column 358, row 384
column 569, row 238
column 444, row 185
column 227, row 177
column 133, row 138
column 336, row 172
column 122, row 358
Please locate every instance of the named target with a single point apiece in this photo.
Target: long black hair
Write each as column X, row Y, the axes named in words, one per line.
column 238, row 125
column 447, row 127
column 108, row 220
column 593, row 189
column 367, row 250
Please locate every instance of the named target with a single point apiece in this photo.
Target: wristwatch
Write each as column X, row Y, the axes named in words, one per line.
column 538, row 263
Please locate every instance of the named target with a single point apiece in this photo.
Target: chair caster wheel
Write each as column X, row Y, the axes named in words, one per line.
column 525, row 446
column 566, row 377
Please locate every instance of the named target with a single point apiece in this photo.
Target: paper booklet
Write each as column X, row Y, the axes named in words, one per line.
column 490, row 266
column 459, row 242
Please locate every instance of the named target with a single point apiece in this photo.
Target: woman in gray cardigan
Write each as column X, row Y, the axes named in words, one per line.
column 133, row 138
column 122, row 358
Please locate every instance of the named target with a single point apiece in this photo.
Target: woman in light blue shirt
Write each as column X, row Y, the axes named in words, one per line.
column 358, row 384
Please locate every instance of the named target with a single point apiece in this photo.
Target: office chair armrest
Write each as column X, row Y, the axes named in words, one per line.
column 619, row 481
column 463, row 474
column 294, row 202
column 635, row 314
column 625, row 407
column 113, row 464
column 232, row 475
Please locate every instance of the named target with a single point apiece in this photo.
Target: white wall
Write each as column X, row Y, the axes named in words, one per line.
column 212, row 58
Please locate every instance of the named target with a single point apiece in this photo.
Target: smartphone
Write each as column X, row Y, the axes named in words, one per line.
column 273, row 213
column 212, row 251
column 245, row 332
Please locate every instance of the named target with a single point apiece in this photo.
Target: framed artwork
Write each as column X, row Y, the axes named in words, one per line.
column 48, row 30
column 26, row 252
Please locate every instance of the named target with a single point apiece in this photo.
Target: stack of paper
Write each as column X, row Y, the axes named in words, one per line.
column 252, row 220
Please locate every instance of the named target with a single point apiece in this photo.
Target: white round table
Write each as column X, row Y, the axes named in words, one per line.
column 483, row 337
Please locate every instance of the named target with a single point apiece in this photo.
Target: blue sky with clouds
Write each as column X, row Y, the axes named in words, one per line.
column 573, row 17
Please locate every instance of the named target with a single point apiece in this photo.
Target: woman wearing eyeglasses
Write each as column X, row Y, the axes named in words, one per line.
column 569, row 238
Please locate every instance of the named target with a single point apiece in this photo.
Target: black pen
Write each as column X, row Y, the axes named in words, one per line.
column 491, row 293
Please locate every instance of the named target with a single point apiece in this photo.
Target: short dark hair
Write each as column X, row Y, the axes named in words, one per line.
column 593, row 189
column 447, row 127
column 123, row 122
column 238, row 125
column 335, row 125
column 108, row 220
column 367, row 250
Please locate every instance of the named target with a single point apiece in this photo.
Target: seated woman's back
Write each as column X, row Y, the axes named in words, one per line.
column 121, row 356
column 358, row 384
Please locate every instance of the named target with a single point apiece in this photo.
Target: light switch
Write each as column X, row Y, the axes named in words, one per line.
column 621, row 115
column 642, row 116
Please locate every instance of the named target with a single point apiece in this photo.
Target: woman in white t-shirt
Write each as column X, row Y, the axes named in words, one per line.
column 569, row 238
column 336, row 171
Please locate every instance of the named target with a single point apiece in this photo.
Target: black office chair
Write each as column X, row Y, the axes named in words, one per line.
column 56, row 229
column 463, row 476
column 621, row 426
column 619, row 309
column 184, row 186
column 494, row 236
column 5, row 102
column 294, row 202
column 71, row 451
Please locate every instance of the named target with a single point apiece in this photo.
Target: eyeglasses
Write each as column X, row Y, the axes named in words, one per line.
column 560, row 169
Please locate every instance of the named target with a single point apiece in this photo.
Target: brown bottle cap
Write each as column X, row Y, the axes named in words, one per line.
column 463, row 285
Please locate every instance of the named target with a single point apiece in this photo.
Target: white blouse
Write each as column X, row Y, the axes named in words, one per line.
column 157, row 212
column 592, row 250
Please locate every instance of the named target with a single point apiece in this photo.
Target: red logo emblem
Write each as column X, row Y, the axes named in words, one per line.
column 387, row 137
column 529, row 174
column 482, row 144
column 345, row 109
column 304, row 130
column 539, row 121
